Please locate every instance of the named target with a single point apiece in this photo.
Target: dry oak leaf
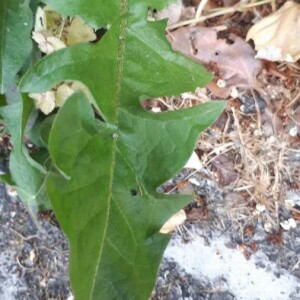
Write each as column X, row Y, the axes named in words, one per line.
column 232, row 60
column 277, row 36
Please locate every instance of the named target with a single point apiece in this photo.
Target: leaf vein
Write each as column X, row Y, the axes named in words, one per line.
column 119, row 74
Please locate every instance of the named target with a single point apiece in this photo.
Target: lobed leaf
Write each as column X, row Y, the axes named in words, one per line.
column 103, row 186
column 106, row 201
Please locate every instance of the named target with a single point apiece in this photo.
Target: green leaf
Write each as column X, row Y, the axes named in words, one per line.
column 15, row 42
column 106, row 201
column 27, row 175
column 103, row 189
column 7, row 179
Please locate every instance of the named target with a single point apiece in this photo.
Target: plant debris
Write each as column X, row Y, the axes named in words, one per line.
column 230, row 59
column 276, row 35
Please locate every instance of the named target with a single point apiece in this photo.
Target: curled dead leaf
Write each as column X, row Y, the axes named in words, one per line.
column 46, row 43
column 53, row 32
column 79, row 32
column 62, row 93
column 176, row 220
column 47, row 101
column 44, row 101
column 277, row 36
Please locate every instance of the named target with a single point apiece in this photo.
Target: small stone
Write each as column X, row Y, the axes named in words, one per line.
column 194, row 181
column 288, row 224
column 260, row 207
column 156, row 109
column 268, row 226
column 234, row 92
column 293, row 131
column 11, row 191
column 221, row 83
column 289, row 203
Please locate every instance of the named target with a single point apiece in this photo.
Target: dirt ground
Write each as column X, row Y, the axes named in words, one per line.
column 213, row 257
column 33, row 261
column 241, row 239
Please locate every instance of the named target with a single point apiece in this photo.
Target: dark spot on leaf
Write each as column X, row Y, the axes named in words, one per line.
column 151, row 15
column 99, row 34
column 152, row 10
column 133, row 192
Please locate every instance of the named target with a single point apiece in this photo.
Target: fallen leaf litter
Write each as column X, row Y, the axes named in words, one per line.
column 251, row 154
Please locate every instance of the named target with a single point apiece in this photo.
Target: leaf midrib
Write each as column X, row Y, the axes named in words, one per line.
column 118, row 87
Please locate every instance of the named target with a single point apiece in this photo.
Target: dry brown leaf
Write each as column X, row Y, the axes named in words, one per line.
column 175, row 12
column 232, row 60
column 185, row 188
column 277, row 36
column 174, row 221
column 225, row 168
column 198, row 213
column 235, row 198
column 172, row 12
column 272, row 120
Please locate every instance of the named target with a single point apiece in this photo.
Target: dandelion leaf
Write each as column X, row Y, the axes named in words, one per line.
column 103, row 186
